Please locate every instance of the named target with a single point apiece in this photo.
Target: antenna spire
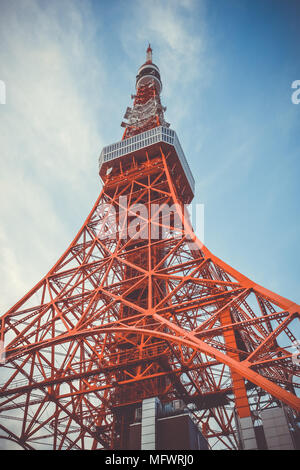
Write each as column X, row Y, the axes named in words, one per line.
column 149, row 54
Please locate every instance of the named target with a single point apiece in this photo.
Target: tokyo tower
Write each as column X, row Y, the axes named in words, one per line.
column 138, row 323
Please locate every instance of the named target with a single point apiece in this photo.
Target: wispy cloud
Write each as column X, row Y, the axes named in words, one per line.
column 176, row 30
column 48, row 135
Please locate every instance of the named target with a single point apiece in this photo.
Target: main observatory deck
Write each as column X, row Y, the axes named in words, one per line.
column 147, row 139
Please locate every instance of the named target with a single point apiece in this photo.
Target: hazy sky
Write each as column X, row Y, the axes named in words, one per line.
column 227, row 69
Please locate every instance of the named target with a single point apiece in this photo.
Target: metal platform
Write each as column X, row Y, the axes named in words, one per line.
column 143, row 140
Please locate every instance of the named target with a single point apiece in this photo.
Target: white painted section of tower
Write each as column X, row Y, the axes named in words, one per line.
column 149, row 414
column 276, row 429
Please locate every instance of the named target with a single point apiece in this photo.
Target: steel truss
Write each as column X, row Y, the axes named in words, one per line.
column 118, row 319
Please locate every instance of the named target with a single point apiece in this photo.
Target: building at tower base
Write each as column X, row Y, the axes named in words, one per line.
column 164, row 427
column 277, row 431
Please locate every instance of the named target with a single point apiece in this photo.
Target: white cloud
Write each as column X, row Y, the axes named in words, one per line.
column 48, row 135
column 176, row 30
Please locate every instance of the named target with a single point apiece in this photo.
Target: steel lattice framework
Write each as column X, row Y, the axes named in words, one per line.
column 120, row 318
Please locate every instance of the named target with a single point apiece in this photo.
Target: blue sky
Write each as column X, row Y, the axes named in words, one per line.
column 227, row 67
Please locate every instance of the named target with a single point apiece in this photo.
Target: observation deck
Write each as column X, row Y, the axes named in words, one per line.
column 150, row 140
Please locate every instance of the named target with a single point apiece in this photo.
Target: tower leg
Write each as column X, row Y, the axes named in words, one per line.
column 238, row 383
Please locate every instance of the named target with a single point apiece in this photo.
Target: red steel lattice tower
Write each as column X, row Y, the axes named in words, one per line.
column 138, row 307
